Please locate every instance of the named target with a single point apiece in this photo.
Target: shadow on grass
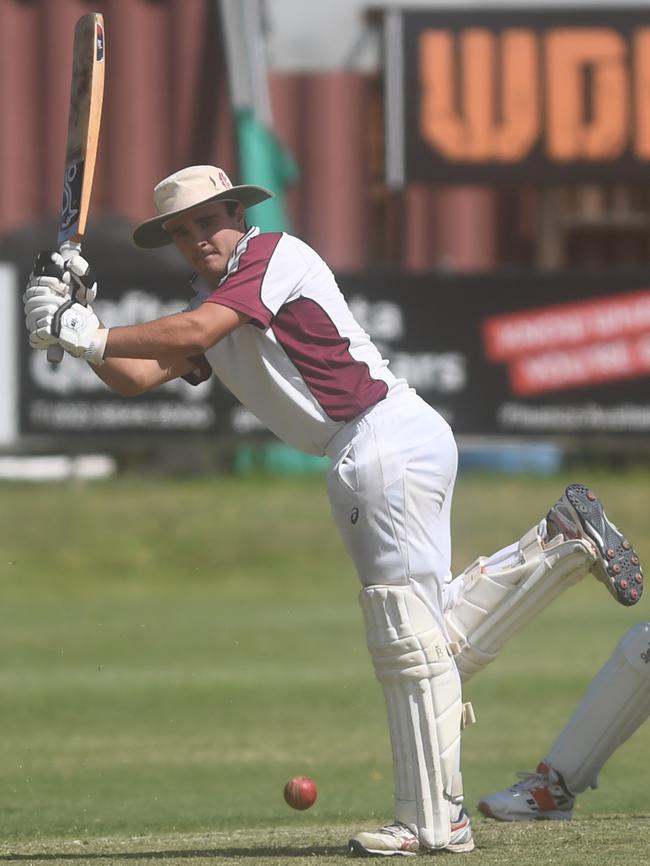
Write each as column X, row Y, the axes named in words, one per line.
column 44, row 857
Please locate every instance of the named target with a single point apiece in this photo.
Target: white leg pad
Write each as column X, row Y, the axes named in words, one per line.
column 425, row 712
column 615, row 705
column 497, row 600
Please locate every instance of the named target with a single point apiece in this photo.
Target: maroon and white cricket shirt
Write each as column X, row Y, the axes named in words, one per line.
column 302, row 365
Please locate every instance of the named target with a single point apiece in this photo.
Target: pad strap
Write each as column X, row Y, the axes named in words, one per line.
column 497, row 601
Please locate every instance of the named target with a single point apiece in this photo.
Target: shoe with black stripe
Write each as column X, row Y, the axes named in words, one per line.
column 580, row 514
column 399, row 840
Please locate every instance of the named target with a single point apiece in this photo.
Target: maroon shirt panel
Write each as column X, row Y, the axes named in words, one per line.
column 242, row 289
column 342, row 385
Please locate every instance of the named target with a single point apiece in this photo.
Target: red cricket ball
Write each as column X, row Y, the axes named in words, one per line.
column 300, row 792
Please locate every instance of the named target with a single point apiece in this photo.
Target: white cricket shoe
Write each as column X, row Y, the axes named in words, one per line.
column 397, row 838
column 540, row 796
column 461, row 840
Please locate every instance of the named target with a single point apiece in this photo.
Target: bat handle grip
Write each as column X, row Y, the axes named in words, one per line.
column 68, row 249
column 55, row 354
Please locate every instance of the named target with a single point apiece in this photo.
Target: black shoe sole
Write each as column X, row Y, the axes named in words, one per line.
column 619, row 567
column 356, row 849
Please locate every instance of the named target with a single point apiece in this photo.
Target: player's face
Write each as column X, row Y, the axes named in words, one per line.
column 206, row 237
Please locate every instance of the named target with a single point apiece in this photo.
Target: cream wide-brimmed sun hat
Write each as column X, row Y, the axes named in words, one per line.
column 187, row 188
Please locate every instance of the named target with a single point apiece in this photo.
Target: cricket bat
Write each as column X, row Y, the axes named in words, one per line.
column 86, row 96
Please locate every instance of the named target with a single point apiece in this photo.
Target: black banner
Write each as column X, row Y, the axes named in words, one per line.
column 500, row 354
column 511, row 96
column 134, row 286
column 517, row 353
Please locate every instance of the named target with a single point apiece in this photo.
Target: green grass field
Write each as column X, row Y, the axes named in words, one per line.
column 172, row 652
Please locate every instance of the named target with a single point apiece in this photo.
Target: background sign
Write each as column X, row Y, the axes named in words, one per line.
column 134, row 286
column 510, row 354
column 70, row 398
column 515, row 96
column 504, row 354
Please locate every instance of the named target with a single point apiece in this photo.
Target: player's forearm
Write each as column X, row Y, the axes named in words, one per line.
column 129, row 377
column 176, row 335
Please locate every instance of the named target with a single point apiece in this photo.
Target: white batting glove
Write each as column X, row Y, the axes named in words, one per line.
column 43, row 296
column 81, row 335
column 40, row 306
column 83, row 283
column 57, row 286
column 75, row 277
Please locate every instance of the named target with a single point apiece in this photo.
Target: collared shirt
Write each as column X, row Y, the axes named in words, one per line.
column 302, row 364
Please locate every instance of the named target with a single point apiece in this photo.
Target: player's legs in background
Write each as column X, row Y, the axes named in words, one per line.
column 390, row 489
column 615, row 705
column 492, row 599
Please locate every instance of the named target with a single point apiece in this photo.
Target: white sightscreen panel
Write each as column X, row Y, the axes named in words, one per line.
column 9, row 296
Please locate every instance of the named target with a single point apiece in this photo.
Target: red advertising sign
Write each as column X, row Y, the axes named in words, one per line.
column 571, row 345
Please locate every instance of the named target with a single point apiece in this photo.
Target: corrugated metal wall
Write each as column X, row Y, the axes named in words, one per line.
column 165, row 102
column 166, row 105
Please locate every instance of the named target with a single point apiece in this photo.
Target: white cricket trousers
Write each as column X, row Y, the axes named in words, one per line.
column 390, row 487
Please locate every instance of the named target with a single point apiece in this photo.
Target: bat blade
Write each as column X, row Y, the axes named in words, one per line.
column 86, row 97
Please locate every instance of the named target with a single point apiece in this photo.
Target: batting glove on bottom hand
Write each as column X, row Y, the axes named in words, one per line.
column 81, row 335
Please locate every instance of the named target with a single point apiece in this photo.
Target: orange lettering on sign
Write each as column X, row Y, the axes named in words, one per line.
column 642, row 92
column 464, row 126
column 572, row 54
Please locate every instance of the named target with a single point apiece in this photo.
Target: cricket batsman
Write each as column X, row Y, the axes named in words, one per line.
column 268, row 319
